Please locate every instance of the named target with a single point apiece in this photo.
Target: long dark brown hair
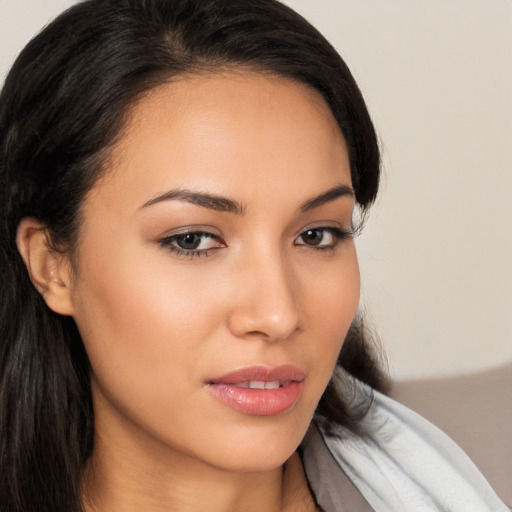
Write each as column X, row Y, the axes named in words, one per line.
column 61, row 108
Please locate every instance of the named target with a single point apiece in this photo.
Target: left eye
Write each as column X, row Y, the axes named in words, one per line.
column 320, row 237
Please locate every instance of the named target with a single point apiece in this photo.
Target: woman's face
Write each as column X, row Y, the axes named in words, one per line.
column 216, row 242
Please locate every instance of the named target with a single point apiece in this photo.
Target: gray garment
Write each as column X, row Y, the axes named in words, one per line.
column 333, row 490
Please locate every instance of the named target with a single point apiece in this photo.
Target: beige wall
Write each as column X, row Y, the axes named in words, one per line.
column 436, row 256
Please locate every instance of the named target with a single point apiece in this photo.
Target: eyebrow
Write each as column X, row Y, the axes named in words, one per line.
column 223, row 204
column 211, row 201
column 327, row 197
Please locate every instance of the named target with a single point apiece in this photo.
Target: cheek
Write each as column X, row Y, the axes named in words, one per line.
column 148, row 351
column 332, row 296
column 139, row 319
column 331, row 304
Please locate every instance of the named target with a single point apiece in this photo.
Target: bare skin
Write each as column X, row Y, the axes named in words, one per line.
column 284, row 490
column 296, row 494
column 273, row 281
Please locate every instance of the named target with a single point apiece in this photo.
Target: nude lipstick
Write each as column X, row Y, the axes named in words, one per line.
column 259, row 390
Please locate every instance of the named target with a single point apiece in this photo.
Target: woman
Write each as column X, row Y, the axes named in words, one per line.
column 178, row 187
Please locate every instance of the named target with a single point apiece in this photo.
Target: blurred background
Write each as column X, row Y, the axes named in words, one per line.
column 436, row 254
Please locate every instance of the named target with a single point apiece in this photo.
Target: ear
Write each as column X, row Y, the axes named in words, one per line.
column 50, row 271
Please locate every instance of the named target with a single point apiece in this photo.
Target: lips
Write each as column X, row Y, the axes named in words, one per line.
column 259, row 390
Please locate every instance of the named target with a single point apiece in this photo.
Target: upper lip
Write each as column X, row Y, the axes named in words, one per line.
column 282, row 373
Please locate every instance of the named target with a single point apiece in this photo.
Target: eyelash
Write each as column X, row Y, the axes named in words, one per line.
column 338, row 234
column 168, row 242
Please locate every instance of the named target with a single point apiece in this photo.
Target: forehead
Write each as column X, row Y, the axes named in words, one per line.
column 223, row 89
column 228, row 133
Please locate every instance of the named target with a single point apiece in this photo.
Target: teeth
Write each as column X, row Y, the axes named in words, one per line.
column 258, row 384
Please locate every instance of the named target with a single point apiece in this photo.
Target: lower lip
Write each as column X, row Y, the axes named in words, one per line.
column 258, row 402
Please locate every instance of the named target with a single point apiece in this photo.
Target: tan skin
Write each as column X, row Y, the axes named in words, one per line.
column 275, row 282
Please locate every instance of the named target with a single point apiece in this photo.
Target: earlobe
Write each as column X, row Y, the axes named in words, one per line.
column 49, row 270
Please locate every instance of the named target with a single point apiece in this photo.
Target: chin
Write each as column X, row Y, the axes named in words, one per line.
column 256, row 460
column 257, row 448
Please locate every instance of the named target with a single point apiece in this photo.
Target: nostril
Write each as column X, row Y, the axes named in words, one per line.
column 256, row 323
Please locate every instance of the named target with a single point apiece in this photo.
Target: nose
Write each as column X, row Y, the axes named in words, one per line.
column 267, row 306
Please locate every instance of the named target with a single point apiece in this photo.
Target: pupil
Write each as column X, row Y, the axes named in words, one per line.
column 313, row 236
column 189, row 241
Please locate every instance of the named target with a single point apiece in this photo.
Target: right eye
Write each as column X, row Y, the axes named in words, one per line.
column 192, row 243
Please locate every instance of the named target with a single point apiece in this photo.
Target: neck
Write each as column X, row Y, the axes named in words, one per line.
column 117, row 482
